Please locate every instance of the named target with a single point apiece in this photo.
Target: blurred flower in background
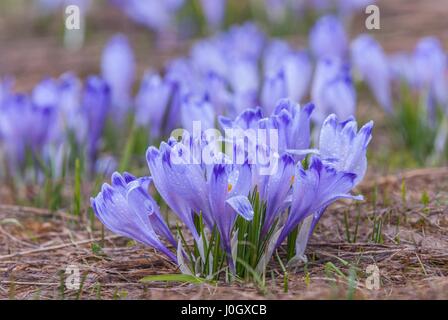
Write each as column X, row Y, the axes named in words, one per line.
column 118, row 70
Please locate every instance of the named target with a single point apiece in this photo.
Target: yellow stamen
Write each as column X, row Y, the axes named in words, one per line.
column 229, row 187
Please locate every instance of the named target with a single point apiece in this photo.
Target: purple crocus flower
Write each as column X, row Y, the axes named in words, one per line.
column 340, row 167
column 151, row 103
column 244, row 41
column 402, row 68
column 431, row 66
column 118, row 70
column 5, row 89
column 23, row 126
column 294, row 66
column 154, row 14
column 274, row 189
column 244, row 81
column 207, row 56
column 218, row 93
column 219, row 190
column 328, row 38
column 298, row 71
column 71, row 112
column 371, row 62
column 126, row 208
column 274, row 89
column 313, row 191
column 294, row 126
column 248, row 119
column 344, row 148
column 228, row 189
column 333, row 90
column 197, row 108
column 96, row 104
column 274, row 53
column 214, row 11
column 46, row 94
column 169, row 166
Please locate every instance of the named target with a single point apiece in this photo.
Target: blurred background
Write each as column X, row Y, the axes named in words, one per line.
column 32, row 32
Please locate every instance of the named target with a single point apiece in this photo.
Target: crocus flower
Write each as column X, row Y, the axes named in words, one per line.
column 344, row 148
column 403, row 69
column 126, row 208
column 244, row 41
column 197, row 108
column 244, row 81
column 371, row 62
column 46, row 94
column 214, row 11
column 294, row 126
column 274, row 53
column 341, row 166
column 118, row 70
column 151, row 103
column 298, row 71
column 183, row 196
column 228, row 190
column 5, row 89
column 274, row 190
column 154, row 14
column 248, row 119
column 333, row 90
column 313, row 191
column 431, row 67
column 71, row 111
column 328, row 38
column 23, row 126
column 274, row 88
column 96, row 104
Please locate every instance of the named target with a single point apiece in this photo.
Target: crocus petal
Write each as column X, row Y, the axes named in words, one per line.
column 242, row 206
column 315, row 189
column 328, row 38
column 342, row 147
column 371, row 62
column 112, row 209
column 140, row 201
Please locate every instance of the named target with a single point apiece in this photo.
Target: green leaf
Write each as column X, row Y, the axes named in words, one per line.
column 174, row 278
column 425, row 198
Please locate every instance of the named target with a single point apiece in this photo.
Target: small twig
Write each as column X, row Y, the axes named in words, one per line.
column 10, row 236
column 37, row 211
column 60, row 246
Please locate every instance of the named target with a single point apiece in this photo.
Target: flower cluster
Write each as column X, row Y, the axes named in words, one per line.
column 59, row 116
column 222, row 75
column 232, row 201
column 412, row 88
